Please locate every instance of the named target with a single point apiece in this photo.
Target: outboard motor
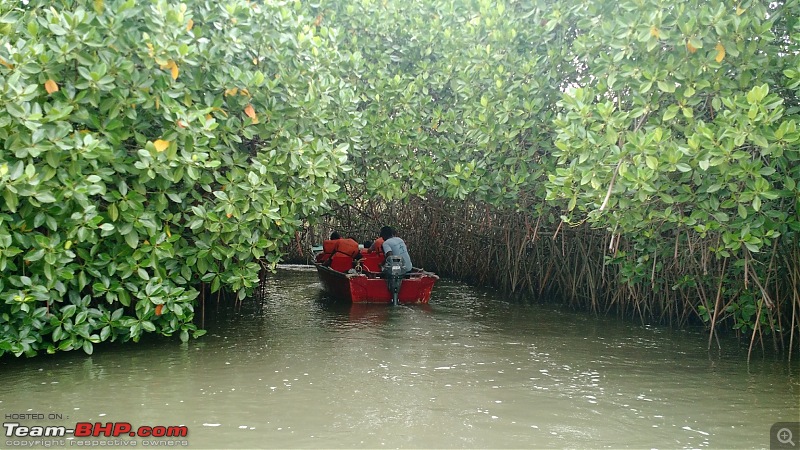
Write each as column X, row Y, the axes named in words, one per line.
column 393, row 270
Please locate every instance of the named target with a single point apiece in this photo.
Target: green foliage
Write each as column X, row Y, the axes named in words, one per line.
column 154, row 148
column 658, row 122
column 455, row 97
column 149, row 146
column 675, row 126
column 686, row 124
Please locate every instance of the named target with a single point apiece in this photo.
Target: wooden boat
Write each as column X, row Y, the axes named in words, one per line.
column 361, row 281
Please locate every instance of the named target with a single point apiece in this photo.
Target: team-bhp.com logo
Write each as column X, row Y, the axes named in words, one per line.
column 97, row 429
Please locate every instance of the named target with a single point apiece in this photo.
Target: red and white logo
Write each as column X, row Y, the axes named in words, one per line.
column 97, row 429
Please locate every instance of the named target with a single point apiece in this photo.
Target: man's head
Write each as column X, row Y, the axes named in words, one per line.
column 386, row 232
column 335, row 236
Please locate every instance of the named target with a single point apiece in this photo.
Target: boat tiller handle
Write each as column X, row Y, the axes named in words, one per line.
column 393, row 269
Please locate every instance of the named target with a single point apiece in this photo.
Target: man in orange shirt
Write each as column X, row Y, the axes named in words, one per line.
column 377, row 246
column 336, row 244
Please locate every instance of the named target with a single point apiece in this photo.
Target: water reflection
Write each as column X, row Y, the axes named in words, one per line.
column 468, row 370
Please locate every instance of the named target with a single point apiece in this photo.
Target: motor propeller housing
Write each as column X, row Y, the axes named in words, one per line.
column 393, row 270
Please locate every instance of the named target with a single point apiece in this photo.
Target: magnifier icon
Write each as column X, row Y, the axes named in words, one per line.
column 784, row 436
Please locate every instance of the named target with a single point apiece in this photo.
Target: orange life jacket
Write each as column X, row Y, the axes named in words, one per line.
column 347, row 246
column 377, row 245
column 328, row 247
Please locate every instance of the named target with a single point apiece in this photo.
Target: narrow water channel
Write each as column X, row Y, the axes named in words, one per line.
column 469, row 370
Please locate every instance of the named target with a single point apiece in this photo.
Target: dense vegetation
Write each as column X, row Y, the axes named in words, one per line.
column 638, row 155
column 152, row 148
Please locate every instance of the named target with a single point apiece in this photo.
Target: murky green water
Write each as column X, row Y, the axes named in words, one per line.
column 468, row 370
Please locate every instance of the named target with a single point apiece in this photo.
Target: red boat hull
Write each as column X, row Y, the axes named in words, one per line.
column 367, row 287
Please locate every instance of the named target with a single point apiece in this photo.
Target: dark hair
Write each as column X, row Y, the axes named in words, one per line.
column 335, row 236
column 386, row 232
column 367, row 244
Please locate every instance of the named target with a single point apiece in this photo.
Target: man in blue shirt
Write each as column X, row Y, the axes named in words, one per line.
column 393, row 245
